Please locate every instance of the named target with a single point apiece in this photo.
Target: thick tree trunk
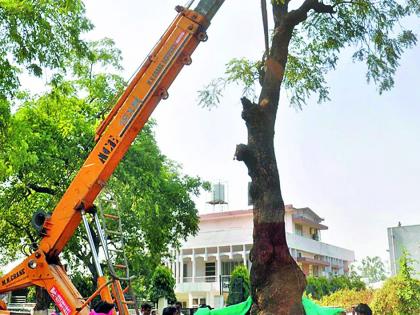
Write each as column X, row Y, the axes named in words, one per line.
column 276, row 280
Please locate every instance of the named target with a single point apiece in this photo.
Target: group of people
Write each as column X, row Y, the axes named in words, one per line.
column 104, row 308
column 146, row 309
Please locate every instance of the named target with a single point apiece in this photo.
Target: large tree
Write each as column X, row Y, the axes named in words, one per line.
column 306, row 41
column 46, row 140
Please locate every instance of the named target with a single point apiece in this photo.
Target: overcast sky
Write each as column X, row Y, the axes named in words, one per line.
column 354, row 160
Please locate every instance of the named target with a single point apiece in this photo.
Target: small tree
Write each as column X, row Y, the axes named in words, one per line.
column 409, row 293
column 162, row 285
column 372, row 269
column 239, row 286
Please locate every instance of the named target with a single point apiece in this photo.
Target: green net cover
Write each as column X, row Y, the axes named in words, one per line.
column 242, row 308
column 313, row 309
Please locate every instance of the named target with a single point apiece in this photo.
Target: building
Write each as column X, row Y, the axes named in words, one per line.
column 204, row 263
column 404, row 238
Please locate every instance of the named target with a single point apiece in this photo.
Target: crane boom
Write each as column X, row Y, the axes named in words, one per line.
column 113, row 138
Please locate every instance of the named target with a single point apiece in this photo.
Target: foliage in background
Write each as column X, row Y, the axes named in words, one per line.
column 239, row 285
column 346, row 298
column 46, row 141
column 83, row 283
column 31, row 297
column 162, row 285
column 37, row 35
column 373, row 32
column 400, row 294
column 318, row 287
column 372, row 269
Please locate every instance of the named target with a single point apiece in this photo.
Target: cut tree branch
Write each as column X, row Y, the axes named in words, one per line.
column 251, row 111
column 299, row 15
column 245, row 154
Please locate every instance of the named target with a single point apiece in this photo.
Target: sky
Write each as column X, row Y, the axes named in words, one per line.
column 354, row 160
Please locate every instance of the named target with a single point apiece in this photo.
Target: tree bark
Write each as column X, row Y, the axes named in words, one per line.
column 277, row 282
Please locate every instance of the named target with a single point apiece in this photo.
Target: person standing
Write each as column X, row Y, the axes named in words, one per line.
column 178, row 306
column 146, row 309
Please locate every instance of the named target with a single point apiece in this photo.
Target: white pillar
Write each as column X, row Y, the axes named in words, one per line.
column 206, row 256
column 218, row 265
column 181, row 268
column 193, row 265
column 173, row 262
column 231, row 253
column 162, row 303
column 208, row 302
column 244, row 254
column 177, row 268
column 190, row 299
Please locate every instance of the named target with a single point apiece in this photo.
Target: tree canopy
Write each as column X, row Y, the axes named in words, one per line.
column 37, row 35
column 46, row 140
column 375, row 33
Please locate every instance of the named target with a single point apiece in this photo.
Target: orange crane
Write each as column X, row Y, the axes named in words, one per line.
column 113, row 138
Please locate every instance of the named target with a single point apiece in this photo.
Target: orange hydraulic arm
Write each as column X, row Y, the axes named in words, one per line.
column 113, row 137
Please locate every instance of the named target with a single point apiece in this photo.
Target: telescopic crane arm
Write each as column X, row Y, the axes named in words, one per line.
column 113, row 138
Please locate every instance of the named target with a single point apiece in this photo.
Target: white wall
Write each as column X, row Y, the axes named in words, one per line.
column 319, row 248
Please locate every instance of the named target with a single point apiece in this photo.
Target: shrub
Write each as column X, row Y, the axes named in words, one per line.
column 239, row 286
column 346, row 298
column 162, row 285
column 386, row 300
column 400, row 295
column 318, row 287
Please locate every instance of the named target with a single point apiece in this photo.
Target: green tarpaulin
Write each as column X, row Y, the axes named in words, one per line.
column 242, row 308
column 313, row 309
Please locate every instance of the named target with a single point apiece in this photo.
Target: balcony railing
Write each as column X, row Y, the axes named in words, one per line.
column 200, row 279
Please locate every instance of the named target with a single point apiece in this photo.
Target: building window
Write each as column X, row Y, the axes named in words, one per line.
column 298, row 229
column 314, row 234
column 185, row 270
column 210, row 272
column 228, row 266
